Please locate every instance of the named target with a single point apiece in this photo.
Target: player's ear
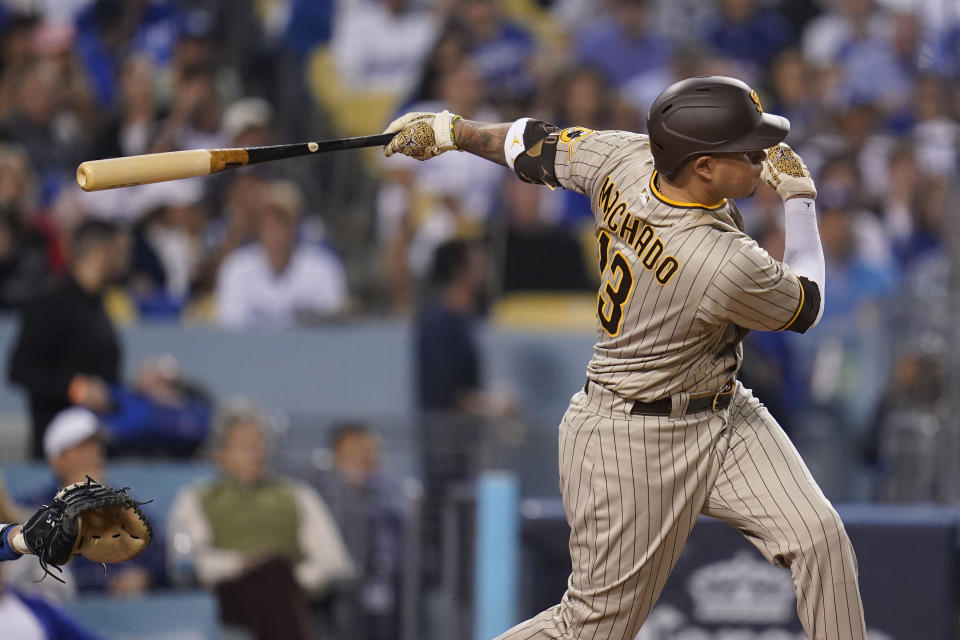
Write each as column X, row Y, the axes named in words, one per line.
column 704, row 166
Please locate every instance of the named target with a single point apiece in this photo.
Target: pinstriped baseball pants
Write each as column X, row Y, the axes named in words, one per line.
column 633, row 487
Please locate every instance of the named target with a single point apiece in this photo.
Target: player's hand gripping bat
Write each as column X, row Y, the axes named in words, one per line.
column 111, row 173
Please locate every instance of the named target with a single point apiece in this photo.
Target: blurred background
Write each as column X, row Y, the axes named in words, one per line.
column 339, row 377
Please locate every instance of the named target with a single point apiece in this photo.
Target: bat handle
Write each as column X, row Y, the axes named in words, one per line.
column 356, row 143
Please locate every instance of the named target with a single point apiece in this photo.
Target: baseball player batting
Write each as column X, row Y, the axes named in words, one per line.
column 662, row 430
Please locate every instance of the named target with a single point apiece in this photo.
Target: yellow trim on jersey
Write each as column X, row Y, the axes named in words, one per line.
column 799, row 308
column 662, row 198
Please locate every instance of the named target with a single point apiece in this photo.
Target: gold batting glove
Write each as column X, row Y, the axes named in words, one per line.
column 422, row 135
column 784, row 171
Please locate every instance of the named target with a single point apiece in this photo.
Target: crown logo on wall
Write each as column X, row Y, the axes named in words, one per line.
column 742, row 590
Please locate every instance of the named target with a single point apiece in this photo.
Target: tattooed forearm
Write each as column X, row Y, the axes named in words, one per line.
column 481, row 139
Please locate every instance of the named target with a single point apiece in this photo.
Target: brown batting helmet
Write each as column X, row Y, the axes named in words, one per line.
column 709, row 114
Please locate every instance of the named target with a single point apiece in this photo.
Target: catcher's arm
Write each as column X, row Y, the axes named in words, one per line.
column 11, row 542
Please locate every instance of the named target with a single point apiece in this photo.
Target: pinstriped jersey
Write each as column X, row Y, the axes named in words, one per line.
column 680, row 283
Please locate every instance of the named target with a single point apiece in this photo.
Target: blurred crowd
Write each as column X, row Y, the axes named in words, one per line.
column 295, row 557
column 871, row 87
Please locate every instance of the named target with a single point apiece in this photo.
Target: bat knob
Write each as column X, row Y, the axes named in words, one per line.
column 85, row 176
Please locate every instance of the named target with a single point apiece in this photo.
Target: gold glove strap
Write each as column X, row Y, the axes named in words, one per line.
column 453, row 138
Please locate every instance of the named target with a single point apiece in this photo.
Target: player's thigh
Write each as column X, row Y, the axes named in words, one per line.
column 632, row 489
column 765, row 489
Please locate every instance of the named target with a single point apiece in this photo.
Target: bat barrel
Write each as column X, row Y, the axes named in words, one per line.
column 112, row 173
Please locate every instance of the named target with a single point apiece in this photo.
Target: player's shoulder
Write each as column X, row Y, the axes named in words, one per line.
column 611, row 139
column 620, row 154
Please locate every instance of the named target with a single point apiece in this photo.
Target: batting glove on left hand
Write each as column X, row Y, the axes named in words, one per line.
column 422, row 135
column 785, row 171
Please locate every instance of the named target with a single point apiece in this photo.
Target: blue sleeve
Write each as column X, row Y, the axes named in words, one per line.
column 139, row 424
column 6, row 551
column 57, row 624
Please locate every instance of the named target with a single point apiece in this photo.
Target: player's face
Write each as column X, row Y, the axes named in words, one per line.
column 738, row 172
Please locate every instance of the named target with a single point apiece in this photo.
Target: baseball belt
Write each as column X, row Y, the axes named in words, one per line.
column 664, row 406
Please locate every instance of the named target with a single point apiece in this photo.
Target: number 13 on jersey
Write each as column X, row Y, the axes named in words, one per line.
column 616, row 285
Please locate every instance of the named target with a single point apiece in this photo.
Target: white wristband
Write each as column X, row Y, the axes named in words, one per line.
column 513, row 144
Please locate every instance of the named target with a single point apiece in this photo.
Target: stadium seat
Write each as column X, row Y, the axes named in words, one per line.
column 546, row 311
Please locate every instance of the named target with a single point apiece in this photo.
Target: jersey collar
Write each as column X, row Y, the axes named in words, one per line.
column 673, row 203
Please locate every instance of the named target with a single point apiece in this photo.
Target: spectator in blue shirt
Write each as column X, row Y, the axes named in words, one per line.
column 624, row 44
column 748, row 33
column 110, row 30
column 500, row 50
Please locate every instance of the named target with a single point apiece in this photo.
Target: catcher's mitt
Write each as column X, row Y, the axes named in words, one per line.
column 87, row 519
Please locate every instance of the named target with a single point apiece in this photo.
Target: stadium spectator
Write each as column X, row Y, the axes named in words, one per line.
column 748, row 32
column 24, row 268
column 843, row 22
column 379, row 45
column 34, row 229
column 234, row 226
column 686, row 60
column 128, row 127
column 73, row 447
column 624, row 43
column 449, row 384
column 366, row 508
column 936, row 132
column 251, row 121
column 110, row 30
column 281, row 280
column 265, row 544
column 908, row 440
column 877, row 68
column 50, row 134
column 167, row 254
column 448, row 359
column 194, row 119
column 67, row 351
column 161, row 414
column 421, row 204
column 501, row 51
column 791, row 94
column 540, row 256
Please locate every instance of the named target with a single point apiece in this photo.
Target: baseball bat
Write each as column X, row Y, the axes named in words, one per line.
column 113, row 173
